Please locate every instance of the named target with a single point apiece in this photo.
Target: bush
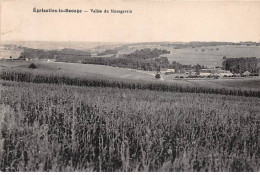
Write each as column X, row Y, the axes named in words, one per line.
column 158, row 76
column 32, row 66
column 191, row 76
column 254, row 74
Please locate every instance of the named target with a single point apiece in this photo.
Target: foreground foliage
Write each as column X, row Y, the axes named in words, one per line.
column 65, row 128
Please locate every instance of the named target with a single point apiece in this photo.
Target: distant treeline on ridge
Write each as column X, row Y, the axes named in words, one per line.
column 145, row 59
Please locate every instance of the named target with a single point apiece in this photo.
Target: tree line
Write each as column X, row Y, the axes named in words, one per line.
column 144, row 59
column 64, row 55
column 240, row 65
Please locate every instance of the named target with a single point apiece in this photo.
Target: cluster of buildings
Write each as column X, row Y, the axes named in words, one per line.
column 215, row 72
column 205, row 72
column 221, row 73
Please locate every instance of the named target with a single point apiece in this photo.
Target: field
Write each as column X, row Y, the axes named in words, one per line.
column 210, row 56
column 9, row 51
column 248, row 83
column 66, row 128
column 80, row 117
column 129, row 74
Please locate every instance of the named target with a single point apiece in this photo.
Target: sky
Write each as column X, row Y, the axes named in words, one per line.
column 150, row 21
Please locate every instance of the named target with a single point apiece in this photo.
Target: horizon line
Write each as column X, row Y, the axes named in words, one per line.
column 131, row 42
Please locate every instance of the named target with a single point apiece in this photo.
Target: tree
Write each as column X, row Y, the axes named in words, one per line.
column 157, row 76
column 240, row 65
column 32, row 66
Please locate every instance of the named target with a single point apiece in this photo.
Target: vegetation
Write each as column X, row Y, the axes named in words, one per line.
column 64, row 55
column 51, row 121
column 51, row 78
column 65, row 128
column 144, row 59
column 240, row 65
column 32, row 66
column 157, row 76
column 106, row 52
column 133, row 63
column 146, row 53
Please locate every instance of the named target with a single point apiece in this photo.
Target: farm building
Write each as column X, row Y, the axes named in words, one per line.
column 224, row 73
column 190, row 72
column 246, row 73
column 216, row 72
column 51, row 60
column 205, row 72
column 164, row 70
column 28, row 59
column 171, row 70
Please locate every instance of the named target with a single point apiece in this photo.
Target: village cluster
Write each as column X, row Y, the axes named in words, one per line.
column 203, row 73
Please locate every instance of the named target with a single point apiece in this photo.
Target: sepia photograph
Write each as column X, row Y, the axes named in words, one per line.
column 129, row 86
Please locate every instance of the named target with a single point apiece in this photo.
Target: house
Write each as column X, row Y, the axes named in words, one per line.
column 163, row 70
column 223, row 73
column 215, row 72
column 205, row 72
column 51, row 60
column 28, row 59
column 246, row 73
column 167, row 71
column 171, row 70
column 190, row 72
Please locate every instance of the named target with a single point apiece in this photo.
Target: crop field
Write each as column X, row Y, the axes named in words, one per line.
column 236, row 83
column 66, row 128
column 211, row 56
column 253, row 83
column 83, row 70
column 96, row 80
